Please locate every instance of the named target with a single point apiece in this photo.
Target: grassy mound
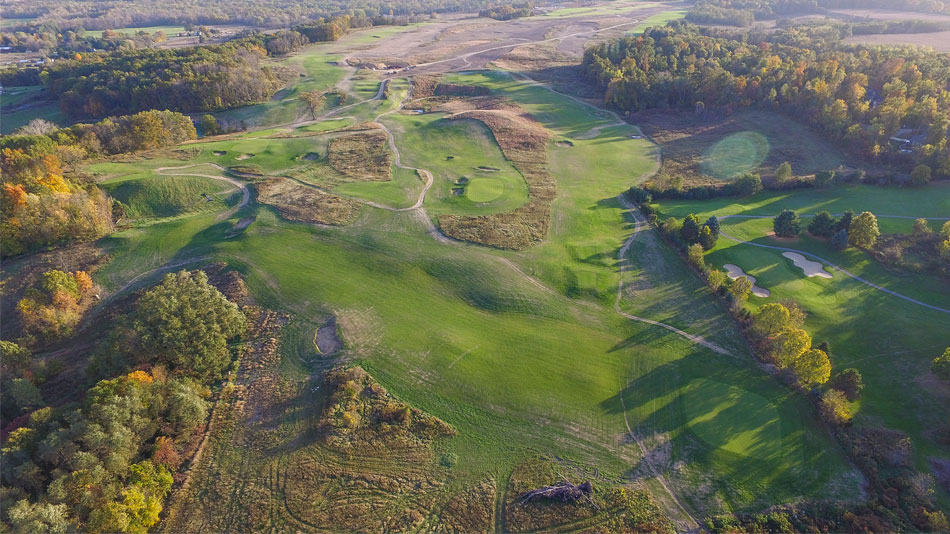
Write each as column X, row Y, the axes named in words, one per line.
column 167, row 196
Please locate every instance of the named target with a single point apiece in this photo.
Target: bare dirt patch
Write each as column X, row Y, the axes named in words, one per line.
column 302, row 203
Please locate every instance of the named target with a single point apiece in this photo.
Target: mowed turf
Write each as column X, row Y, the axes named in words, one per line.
column 520, row 369
column 889, row 340
column 167, row 196
column 456, row 150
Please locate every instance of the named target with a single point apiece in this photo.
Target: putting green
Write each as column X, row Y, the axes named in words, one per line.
column 736, row 154
column 733, row 419
column 484, row 189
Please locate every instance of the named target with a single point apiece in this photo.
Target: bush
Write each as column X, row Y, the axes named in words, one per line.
column 834, row 407
column 695, row 256
column 849, row 382
column 941, row 365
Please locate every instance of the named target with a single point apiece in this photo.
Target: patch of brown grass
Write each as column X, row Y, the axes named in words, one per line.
column 362, row 157
column 424, row 85
column 523, row 142
column 302, row 203
column 471, row 510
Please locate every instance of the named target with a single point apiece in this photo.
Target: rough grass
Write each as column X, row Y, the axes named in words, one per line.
column 303, row 203
column 363, row 156
column 708, row 151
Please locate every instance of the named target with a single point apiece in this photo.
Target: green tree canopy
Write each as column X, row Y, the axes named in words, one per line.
column 786, row 224
column 864, row 231
column 186, row 323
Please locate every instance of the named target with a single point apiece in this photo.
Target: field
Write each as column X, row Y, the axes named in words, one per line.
column 169, row 31
column 711, row 150
column 939, row 41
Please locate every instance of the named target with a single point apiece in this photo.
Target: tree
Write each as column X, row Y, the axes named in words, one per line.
column 740, row 289
column 812, row 368
column 864, row 231
column 844, row 223
column 822, row 224
column 789, row 345
column 770, row 319
column 834, row 407
column 37, row 127
column 713, row 224
column 920, row 175
column 824, row 178
column 689, row 233
column 707, row 238
column 13, row 356
column 209, row 125
column 783, row 172
column 186, row 323
column 716, row 279
column 840, row 240
column 25, row 516
column 941, row 365
column 694, row 253
column 921, row 229
column 786, row 224
column 314, row 101
column 849, row 382
column 748, row 184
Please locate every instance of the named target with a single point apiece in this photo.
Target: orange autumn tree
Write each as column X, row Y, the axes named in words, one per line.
column 53, row 309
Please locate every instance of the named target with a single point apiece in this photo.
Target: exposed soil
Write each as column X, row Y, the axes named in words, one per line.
column 327, row 339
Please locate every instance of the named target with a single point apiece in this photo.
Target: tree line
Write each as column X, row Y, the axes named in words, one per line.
column 72, row 14
column 863, row 96
column 744, row 12
column 46, row 201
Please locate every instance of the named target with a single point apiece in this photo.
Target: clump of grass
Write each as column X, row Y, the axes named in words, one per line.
column 363, row 156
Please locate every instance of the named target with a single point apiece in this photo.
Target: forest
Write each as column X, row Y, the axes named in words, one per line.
column 274, row 14
column 863, row 96
column 46, row 201
column 744, row 12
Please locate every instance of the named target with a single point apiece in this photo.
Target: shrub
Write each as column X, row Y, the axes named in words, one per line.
column 823, row 225
column 941, row 365
column 849, row 382
column 695, row 256
column 834, row 407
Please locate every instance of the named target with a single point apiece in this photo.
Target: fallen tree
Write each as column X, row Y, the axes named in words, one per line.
column 562, row 491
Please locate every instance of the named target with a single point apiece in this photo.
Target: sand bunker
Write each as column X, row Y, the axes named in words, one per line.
column 310, row 156
column 485, row 168
column 564, row 143
column 244, row 156
column 811, row 268
column 219, row 152
column 734, row 271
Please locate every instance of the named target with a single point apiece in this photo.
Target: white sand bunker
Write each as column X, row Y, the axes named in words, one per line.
column 244, row 156
column 811, row 268
column 734, row 271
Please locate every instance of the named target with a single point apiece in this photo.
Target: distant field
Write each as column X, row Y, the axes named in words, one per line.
column 170, row 31
column 7, row 22
column 709, row 151
column 939, row 41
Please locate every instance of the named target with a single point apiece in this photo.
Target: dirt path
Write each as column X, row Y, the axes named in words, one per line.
column 838, row 268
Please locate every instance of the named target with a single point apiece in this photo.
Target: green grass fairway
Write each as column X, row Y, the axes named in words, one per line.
column 167, row 196
column 736, row 154
column 455, row 149
column 742, row 422
column 270, row 155
column 16, row 96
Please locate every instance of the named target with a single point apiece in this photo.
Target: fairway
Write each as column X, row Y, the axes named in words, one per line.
column 735, row 420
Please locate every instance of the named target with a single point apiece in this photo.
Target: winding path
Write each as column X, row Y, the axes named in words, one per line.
column 245, row 192
column 838, row 268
